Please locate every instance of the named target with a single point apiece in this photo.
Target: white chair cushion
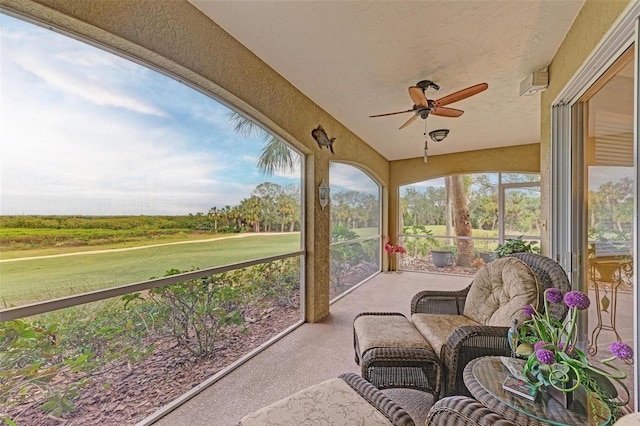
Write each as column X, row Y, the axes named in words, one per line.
column 437, row 328
column 500, row 291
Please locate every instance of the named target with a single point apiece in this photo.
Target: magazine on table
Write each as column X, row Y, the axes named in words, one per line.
column 520, row 387
column 515, row 366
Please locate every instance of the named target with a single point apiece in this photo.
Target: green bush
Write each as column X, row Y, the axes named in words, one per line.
column 421, row 243
column 198, row 310
column 276, row 281
column 49, row 359
column 345, row 256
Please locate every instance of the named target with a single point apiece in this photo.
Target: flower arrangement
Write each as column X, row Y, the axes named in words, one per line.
column 391, row 250
column 556, row 362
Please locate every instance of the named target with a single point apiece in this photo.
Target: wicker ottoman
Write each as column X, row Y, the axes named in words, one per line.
column 392, row 353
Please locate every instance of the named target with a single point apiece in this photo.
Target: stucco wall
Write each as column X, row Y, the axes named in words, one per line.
column 592, row 23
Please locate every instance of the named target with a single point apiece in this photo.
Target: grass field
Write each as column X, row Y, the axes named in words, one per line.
column 24, row 280
column 24, row 242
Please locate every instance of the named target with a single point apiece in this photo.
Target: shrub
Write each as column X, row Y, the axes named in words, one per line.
column 197, row 310
column 48, row 360
column 276, row 281
column 344, row 256
column 421, row 243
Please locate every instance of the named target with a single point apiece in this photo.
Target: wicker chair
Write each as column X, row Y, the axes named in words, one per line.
column 463, row 411
column 470, row 341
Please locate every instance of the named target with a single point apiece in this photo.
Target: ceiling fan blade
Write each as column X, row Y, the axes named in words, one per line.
column 460, row 95
column 447, row 112
column 417, row 96
column 391, row 113
column 409, row 121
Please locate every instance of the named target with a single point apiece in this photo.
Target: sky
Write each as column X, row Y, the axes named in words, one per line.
column 86, row 132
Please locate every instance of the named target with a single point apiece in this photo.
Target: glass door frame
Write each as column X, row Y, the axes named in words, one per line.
column 568, row 242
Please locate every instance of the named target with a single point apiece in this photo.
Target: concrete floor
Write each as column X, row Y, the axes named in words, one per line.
column 316, row 352
column 308, row 355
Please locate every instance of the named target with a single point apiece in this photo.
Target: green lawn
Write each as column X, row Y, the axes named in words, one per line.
column 31, row 279
column 366, row 232
column 24, row 242
column 481, row 245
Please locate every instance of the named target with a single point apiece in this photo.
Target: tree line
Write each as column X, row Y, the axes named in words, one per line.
column 270, row 208
column 430, row 207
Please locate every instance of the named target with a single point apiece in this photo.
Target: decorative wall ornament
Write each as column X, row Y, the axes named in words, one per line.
column 321, row 137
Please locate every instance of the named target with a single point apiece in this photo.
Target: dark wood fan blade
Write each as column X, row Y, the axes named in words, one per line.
column 460, row 95
column 447, row 112
column 417, row 96
column 391, row 113
column 409, row 121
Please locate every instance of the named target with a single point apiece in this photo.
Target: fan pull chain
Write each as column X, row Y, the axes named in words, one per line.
column 426, row 143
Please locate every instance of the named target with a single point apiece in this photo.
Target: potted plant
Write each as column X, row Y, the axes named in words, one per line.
column 443, row 258
column 484, row 252
column 486, row 256
column 517, row 245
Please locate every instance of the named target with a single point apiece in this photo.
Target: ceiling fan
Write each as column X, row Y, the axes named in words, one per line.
column 422, row 106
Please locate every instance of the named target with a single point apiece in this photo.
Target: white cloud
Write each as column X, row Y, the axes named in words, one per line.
column 599, row 175
column 77, row 70
column 350, row 178
column 436, row 183
column 85, row 132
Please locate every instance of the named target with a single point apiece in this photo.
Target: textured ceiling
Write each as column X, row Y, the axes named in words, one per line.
column 358, row 58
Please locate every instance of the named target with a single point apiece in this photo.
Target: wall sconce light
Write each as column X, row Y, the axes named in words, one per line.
column 323, row 194
column 438, row 135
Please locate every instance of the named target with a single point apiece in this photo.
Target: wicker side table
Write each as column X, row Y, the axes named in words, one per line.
column 393, row 354
column 484, row 376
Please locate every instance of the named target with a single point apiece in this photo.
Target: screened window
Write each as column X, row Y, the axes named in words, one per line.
column 144, row 224
column 500, row 206
column 113, row 174
column 355, row 227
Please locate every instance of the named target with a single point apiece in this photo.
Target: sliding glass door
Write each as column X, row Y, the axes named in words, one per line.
column 606, row 182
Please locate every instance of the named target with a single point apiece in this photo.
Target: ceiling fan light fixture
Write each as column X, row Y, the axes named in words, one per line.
column 438, row 135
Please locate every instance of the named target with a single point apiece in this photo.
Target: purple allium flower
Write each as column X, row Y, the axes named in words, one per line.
column 554, row 295
column 529, row 311
column 621, row 350
column 546, row 356
column 539, row 345
column 577, row 299
column 570, row 350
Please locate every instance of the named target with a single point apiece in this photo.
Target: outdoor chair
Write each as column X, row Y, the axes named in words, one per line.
column 350, row 400
column 459, row 326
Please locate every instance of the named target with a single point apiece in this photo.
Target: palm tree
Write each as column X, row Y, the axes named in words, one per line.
column 276, row 155
column 214, row 215
column 461, row 220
